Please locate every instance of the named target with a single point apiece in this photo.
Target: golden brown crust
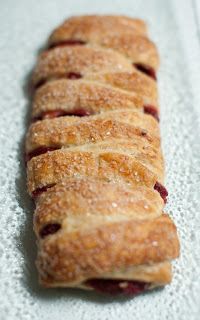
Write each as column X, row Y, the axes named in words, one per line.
column 134, row 82
column 154, row 274
column 76, row 256
column 100, row 93
column 53, row 167
column 134, row 45
column 95, row 97
column 69, row 131
column 157, row 273
column 39, row 133
column 96, row 179
column 95, row 26
column 88, row 202
column 60, row 61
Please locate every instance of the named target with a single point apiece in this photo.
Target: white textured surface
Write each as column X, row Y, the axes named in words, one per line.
column 25, row 26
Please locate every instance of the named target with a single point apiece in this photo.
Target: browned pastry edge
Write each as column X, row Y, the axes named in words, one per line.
column 76, row 256
column 139, row 49
column 61, row 62
column 109, row 32
column 62, row 131
column 98, row 23
column 103, row 92
column 150, row 275
column 133, row 82
column 52, row 167
column 87, row 202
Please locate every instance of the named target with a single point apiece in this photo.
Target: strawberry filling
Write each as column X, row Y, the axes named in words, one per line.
column 115, row 287
column 69, row 75
column 39, row 191
column 39, row 151
column 79, row 112
column 50, row 228
column 148, row 109
column 162, row 190
column 69, row 42
column 149, row 71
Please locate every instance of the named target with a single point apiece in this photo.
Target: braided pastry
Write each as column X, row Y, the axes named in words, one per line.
column 94, row 161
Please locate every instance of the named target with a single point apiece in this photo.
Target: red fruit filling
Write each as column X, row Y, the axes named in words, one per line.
column 40, row 83
column 49, row 229
column 60, row 113
column 69, row 75
column 73, row 75
column 50, row 115
column 149, row 71
column 162, row 190
column 39, row 191
column 69, row 42
column 115, row 287
column 39, row 151
column 152, row 111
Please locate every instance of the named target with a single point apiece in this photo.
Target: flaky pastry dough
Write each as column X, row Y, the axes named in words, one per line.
column 94, row 161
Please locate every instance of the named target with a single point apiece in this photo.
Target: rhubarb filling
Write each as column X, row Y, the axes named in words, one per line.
column 149, row 71
column 69, row 42
column 79, row 112
column 162, row 190
column 115, row 287
column 148, row 109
